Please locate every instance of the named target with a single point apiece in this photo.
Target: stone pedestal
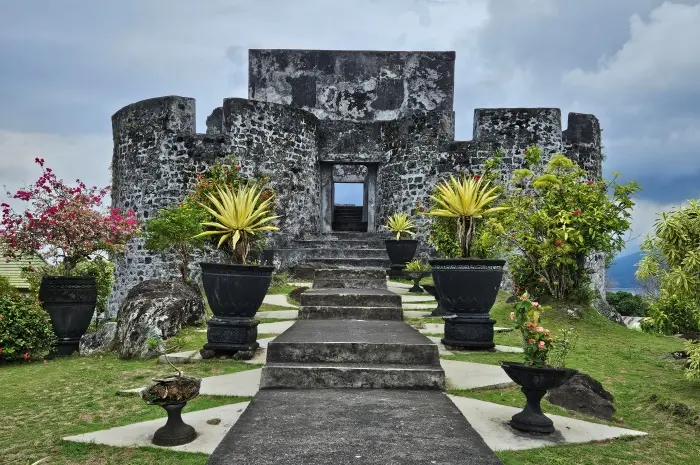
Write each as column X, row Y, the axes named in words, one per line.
column 469, row 332
column 396, row 271
column 230, row 335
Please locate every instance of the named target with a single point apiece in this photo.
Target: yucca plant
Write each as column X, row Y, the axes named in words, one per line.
column 240, row 215
column 467, row 199
column 400, row 223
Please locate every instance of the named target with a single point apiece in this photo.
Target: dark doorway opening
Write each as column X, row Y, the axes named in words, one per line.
column 348, row 207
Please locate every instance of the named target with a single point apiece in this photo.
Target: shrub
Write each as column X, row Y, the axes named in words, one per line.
column 174, row 229
column 557, row 218
column 6, row 288
column 693, row 370
column 672, row 314
column 25, row 328
column 417, row 266
column 628, row 304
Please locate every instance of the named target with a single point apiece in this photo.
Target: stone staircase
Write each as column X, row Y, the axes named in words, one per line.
column 351, row 334
column 346, row 249
column 348, row 218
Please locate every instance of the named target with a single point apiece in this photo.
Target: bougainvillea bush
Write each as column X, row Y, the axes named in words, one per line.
column 65, row 224
column 25, row 328
column 556, row 218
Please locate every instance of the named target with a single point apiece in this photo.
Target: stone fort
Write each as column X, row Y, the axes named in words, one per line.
column 314, row 119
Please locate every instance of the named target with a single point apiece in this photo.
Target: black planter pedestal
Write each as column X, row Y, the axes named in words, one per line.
column 534, row 383
column 175, row 432
column 473, row 332
column 416, row 276
column 396, row 271
column 228, row 335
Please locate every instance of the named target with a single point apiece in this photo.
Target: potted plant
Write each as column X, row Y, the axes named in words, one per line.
column 236, row 290
column 467, row 286
column 400, row 250
column 537, row 375
column 417, row 270
column 68, row 227
column 172, row 394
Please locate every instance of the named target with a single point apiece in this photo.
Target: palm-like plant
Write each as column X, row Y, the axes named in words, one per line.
column 467, row 200
column 400, row 223
column 240, row 216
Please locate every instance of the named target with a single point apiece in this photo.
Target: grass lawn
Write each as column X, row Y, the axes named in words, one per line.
column 651, row 393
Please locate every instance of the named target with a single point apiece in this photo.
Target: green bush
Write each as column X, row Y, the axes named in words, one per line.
column 6, row 288
column 693, row 370
column 25, row 328
column 672, row 314
column 99, row 268
column 628, row 304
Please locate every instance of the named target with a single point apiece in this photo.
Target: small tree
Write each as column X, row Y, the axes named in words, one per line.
column 174, row 229
column 556, row 219
column 672, row 258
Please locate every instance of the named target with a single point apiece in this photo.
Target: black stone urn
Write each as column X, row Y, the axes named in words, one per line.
column 173, row 394
column 416, row 276
column 70, row 301
column 234, row 293
column 535, row 382
column 401, row 251
column 432, row 290
column 468, row 288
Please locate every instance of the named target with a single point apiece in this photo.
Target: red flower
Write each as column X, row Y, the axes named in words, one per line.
column 26, row 356
column 577, row 211
column 476, row 177
column 558, row 242
column 590, row 181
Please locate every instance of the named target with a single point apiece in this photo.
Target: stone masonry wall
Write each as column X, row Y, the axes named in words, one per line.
column 353, row 85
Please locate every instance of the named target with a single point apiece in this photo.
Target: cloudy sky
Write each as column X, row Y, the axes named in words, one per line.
column 66, row 66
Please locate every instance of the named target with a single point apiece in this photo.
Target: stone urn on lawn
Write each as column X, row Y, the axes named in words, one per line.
column 400, row 250
column 235, row 291
column 536, row 376
column 172, row 394
column 417, row 270
column 467, row 286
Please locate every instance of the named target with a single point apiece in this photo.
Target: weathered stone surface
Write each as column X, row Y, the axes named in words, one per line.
column 296, row 293
column 154, row 311
column 583, row 394
column 306, row 271
column 608, row 311
column 101, row 340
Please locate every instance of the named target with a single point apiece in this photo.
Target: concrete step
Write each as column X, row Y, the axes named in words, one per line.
column 358, row 226
column 340, row 244
column 347, row 376
column 334, row 252
column 350, row 298
column 350, row 313
column 355, row 262
column 353, row 342
column 354, row 278
column 368, row 427
column 349, row 284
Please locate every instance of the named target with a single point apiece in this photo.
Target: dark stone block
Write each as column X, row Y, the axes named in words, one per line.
column 303, row 91
column 584, row 394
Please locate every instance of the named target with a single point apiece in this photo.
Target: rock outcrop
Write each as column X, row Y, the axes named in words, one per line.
column 101, row 340
column 583, row 394
column 153, row 311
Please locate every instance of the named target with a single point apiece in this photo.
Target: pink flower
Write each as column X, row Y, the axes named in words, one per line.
column 26, row 356
column 539, row 329
column 541, row 345
column 590, row 181
column 536, row 304
column 512, row 315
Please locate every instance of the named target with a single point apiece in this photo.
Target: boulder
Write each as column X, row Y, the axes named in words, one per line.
column 101, row 340
column 608, row 311
column 153, row 311
column 294, row 295
column 583, row 394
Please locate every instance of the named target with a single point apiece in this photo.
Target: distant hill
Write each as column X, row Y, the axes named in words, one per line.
column 622, row 270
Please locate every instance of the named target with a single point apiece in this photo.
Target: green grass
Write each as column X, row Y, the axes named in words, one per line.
column 273, row 308
column 651, row 393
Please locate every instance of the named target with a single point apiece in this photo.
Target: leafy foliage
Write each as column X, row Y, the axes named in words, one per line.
column 693, row 370
column 537, row 340
column 628, row 304
column 672, row 258
column 417, row 265
column 25, row 328
column 174, row 229
column 99, row 268
column 400, row 223
column 557, row 218
column 6, row 288
column 240, row 216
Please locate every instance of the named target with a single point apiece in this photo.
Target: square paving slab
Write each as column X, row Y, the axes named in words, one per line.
column 491, row 422
column 341, row 427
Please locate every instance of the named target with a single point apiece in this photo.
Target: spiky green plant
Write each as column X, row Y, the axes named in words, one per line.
column 240, row 215
column 400, row 223
column 467, row 200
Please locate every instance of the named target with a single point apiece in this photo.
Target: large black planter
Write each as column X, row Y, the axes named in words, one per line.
column 70, row 301
column 432, row 290
column 468, row 289
column 402, row 251
column 234, row 294
column 535, row 382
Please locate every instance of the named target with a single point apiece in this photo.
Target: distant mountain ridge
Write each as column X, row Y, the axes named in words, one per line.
column 622, row 269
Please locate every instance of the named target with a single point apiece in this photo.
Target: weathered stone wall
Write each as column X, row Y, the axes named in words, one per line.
column 582, row 142
column 279, row 141
column 349, row 173
column 353, row 85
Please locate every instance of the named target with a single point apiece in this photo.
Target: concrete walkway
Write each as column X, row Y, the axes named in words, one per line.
column 280, row 300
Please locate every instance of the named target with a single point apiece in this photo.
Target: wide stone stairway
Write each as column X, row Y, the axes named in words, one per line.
column 344, row 249
column 350, row 382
